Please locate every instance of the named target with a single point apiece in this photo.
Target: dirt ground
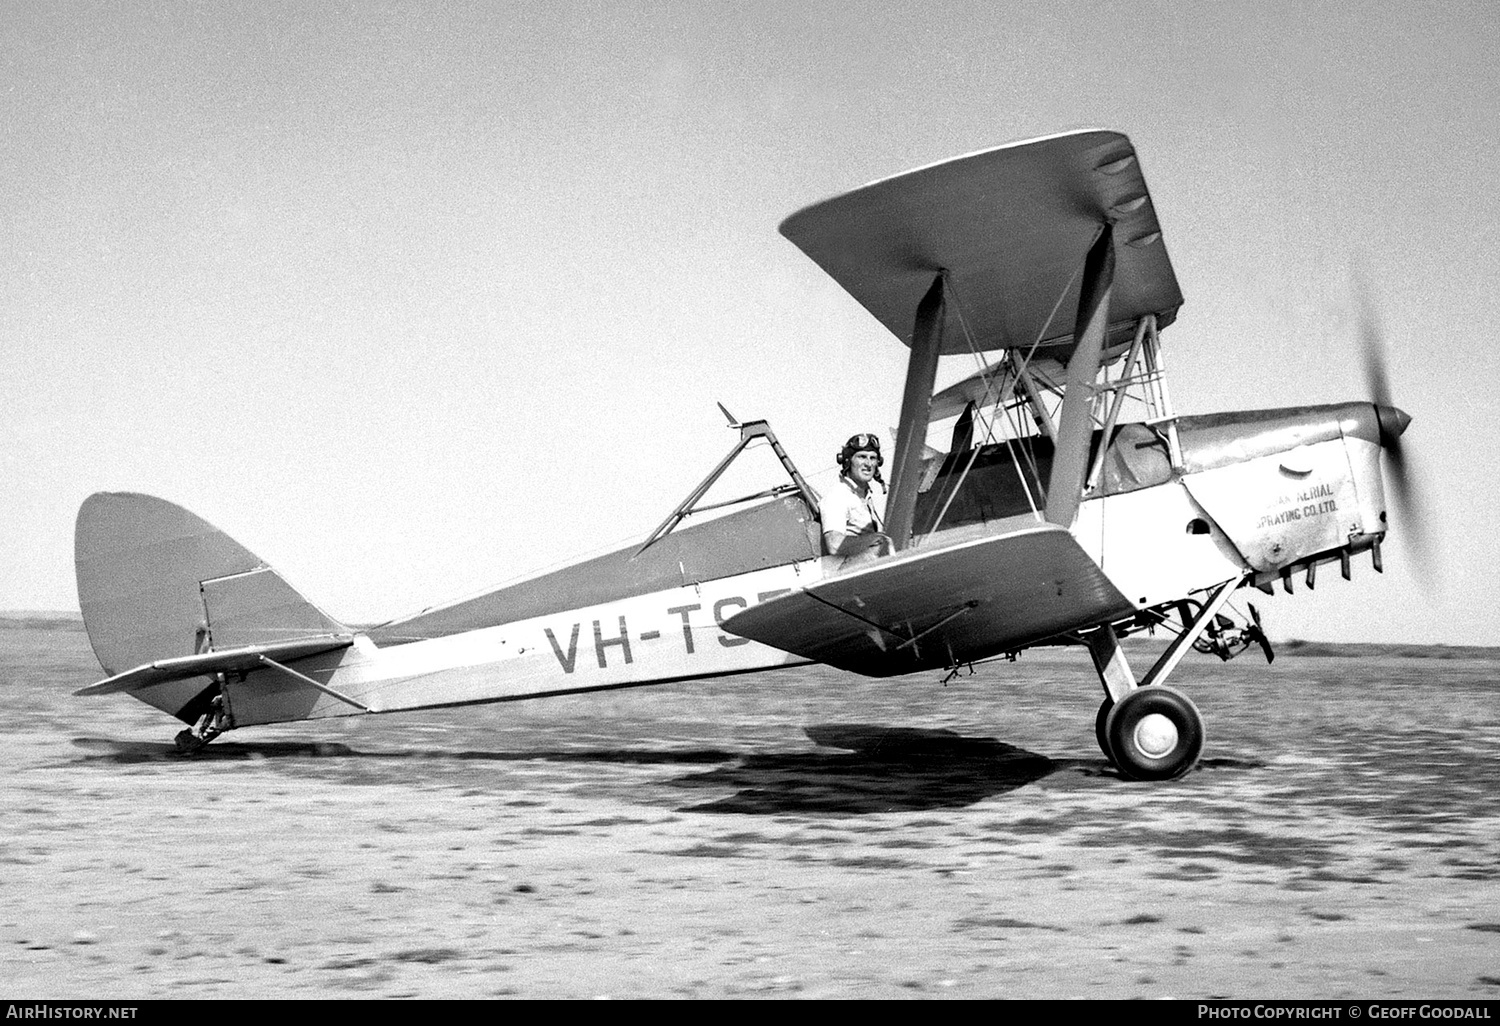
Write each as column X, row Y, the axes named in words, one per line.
column 806, row 833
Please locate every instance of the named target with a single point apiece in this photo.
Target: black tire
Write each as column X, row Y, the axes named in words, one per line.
column 1147, row 748
column 1105, row 708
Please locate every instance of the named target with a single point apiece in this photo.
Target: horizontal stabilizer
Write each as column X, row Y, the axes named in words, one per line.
column 929, row 608
column 160, row 587
column 231, row 660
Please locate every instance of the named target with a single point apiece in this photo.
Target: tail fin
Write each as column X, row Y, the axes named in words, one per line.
column 156, row 582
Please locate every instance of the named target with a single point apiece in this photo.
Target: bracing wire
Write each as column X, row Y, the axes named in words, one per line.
column 989, row 390
column 987, row 413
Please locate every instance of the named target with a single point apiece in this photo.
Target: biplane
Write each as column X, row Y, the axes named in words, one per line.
column 1073, row 505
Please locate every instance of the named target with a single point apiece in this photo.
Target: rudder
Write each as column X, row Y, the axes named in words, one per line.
column 156, row 582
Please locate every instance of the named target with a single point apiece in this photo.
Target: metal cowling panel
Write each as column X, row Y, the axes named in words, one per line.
column 1221, row 439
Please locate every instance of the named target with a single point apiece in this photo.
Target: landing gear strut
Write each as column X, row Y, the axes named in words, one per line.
column 1150, row 731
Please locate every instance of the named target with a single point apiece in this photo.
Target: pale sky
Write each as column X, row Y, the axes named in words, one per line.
column 412, row 298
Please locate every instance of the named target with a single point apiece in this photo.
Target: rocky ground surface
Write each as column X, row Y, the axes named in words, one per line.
column 807, row 833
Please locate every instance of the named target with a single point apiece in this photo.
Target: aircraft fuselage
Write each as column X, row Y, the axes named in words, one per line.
column 1259, row 494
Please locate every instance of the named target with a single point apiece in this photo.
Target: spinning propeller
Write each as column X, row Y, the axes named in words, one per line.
column 1393, row 422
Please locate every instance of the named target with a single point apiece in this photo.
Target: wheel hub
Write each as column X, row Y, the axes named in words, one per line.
column 1155, row 735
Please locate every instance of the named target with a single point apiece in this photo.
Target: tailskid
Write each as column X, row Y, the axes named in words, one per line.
column 210, row 725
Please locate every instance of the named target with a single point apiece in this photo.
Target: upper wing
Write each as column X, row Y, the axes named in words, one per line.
column 1010, row 226
column 923, row 608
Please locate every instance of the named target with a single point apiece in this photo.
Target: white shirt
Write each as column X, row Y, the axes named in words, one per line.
column 845, row 511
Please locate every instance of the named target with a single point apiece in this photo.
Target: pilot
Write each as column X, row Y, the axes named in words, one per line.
column 851, row 512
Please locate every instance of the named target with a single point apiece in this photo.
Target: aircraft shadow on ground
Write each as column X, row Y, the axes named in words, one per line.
column 126, row 752
column 857, row 768
column 880, row 769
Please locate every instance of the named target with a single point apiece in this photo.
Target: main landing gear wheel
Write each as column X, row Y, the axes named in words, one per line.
column 1153, row 733
column 1105, row 708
